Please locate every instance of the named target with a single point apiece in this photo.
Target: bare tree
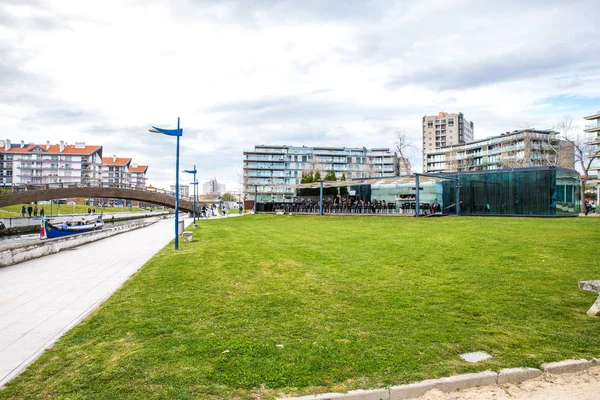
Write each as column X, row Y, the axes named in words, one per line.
column 403, row 146
column 585, row 151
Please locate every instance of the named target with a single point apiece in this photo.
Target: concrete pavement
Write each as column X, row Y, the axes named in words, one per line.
column 42, row 299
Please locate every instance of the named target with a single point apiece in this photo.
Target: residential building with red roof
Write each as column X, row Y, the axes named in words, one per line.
column 50, row 163
column 115, row 171
column 138, row 176
column 65, row 164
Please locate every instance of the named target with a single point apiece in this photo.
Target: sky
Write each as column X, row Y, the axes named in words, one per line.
column 306, row 72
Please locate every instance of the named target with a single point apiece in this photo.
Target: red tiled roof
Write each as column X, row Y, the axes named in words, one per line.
column 118, row 161
column 55, row 148
column 139, row 168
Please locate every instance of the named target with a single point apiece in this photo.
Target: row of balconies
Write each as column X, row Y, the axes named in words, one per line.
column 37, row 167
column 267, row 158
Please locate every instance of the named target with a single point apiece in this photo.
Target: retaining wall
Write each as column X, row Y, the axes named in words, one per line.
column 30, row 251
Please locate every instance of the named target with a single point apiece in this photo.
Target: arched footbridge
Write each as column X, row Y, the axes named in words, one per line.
column 29, row 194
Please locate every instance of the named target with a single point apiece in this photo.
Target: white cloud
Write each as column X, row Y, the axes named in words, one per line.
column 241, row 73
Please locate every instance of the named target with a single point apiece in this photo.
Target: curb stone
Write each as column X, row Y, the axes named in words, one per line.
column 449, row 384
column 453, row 383
column 516, row 375
column 567, row 366
column 377, row 394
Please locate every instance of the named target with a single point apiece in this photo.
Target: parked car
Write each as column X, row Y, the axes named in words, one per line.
column 71, row 203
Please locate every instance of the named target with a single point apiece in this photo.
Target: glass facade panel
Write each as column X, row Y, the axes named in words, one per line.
column 522, row 192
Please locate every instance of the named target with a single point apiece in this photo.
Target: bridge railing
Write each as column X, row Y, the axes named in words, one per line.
column 63, row 185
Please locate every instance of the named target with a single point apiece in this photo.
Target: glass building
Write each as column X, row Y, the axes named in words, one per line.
column 536, row 192
column 542, row 191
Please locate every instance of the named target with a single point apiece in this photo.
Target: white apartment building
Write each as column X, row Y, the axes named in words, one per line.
column 270, row 168
column 516, row 149
column 184, row 190
column 445, row 129
column 115, row 171
column 49, row 163
column 138, row 176
column 593, row 148
column 213, row 187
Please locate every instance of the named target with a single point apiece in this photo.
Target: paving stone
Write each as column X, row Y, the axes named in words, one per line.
column 475, row 356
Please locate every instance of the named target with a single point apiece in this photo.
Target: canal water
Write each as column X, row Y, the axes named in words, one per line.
column 31, row 238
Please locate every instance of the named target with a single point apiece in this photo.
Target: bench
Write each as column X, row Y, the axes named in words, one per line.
column 592, row 286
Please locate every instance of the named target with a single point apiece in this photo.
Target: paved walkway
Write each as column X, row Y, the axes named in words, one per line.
column 42, row 299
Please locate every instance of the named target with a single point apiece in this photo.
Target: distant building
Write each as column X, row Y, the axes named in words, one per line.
column 272, row 167
column 213, row 187
column 115, row 171
column 138, row 176
column 445, row 129
column 516, row 149
column 404, row 167
column 593, row 143
column 184, row 190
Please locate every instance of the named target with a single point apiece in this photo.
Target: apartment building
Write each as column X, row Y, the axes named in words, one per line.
column 445, row 129
column 49, row 163
column 516, row 149
column 213, row 187
column 184, row 190
column 270, row 168
column 592, row 142
column 138, row 176
column 115, row 171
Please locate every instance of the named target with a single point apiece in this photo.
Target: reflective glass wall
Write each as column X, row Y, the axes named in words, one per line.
column 544, row 191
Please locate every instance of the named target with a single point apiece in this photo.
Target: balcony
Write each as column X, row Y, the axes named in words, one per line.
column 591, row 140
column 592, row 128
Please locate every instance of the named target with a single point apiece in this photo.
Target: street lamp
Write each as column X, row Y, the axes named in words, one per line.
column 195, row 183
column 173, row 132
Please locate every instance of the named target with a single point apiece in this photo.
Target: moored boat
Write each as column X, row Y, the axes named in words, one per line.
column 55, row 230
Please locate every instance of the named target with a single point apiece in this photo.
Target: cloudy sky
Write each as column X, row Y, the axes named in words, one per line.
column 302, row 72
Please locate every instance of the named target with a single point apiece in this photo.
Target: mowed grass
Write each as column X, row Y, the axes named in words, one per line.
column 263, row 306
column 14, row 211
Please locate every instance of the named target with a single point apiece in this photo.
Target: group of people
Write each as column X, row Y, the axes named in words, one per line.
column 589, row 206
column 340, row 204
column 32, row 211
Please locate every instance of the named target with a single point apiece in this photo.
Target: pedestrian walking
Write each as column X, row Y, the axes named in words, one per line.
column 23, row 211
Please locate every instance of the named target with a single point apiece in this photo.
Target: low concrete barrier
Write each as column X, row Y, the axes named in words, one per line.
column 30, row 251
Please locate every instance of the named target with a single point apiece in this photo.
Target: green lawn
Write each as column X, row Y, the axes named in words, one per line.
column 14, row 211
column 261, row 306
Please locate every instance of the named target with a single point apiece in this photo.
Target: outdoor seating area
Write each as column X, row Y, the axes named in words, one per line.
column 345, row 208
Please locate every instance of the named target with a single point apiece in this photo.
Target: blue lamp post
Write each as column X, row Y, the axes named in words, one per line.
column 178, row 133
column 195, row 183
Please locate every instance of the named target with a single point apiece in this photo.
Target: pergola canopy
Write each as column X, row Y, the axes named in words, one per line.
column 367, row 181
